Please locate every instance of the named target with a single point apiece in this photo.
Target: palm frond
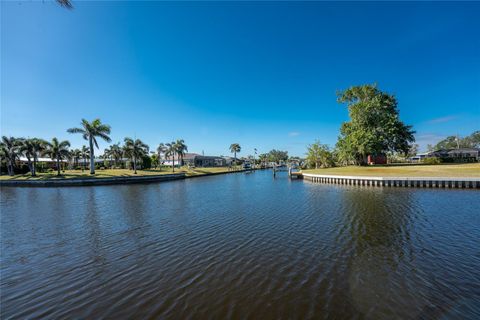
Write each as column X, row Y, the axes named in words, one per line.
column 76, row 130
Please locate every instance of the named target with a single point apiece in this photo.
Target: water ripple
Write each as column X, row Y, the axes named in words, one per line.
column 239, row 246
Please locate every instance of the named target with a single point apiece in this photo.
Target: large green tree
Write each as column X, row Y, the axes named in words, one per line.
column 277, row 155
column 90, row 131
column 319, row 155
column 375, row 127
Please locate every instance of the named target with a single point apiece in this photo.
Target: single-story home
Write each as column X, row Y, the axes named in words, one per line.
column 205, row 161
column 454, row 155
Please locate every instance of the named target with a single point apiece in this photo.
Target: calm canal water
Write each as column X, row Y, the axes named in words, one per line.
column 238, row 246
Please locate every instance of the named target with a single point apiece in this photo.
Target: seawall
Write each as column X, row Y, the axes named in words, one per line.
column 75, row 182
column 417, row 182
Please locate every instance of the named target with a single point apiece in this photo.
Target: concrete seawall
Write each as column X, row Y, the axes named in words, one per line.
column 90, row 181
column 417, row 182
column 106, row 181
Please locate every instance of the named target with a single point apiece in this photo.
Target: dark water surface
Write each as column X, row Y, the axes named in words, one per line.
column 238, row 246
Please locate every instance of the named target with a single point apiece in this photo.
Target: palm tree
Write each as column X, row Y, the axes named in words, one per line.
column 9, row 148
column 38, row 148
column 27, row 149
column 90, row 131
column 161, row 149
column 115, row 152
column 234, row 148
column 181, row 149
column 76, row 155
column 263, row 159
column 135, row 149
column 84, row 153
column 57, row 150
column 65, row 3
column 107, row 155
column 170, row 152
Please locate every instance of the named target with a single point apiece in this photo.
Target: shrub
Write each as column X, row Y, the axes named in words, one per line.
column 50, row 170
column 432, row 161
column 22, row 169
column 146, row 162
column 102, row 168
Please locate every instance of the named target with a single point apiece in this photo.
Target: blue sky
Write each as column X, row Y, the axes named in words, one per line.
column 262, row 74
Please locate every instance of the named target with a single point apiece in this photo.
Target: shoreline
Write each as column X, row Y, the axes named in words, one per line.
column 91, row 181
column 411, row 182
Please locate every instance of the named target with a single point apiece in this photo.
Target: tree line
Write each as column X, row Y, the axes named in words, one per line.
column 456, row 142
column 135, row 150
column 11, row 149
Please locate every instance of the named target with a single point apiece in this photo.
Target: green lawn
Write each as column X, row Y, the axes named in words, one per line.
column 408, row 170
column 111, row 173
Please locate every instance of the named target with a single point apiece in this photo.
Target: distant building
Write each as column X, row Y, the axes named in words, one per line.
column 186, row 159
column 228, row 160
column 464, row 154
column 450, row 155
column 377, row 159
column 419, row 157
column 205, row 161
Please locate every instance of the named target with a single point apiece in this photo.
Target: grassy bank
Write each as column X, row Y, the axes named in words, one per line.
column 112, row 173
column 471, row 170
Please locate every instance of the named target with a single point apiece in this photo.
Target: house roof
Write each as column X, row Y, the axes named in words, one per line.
column 464, row 150
column 24, row 159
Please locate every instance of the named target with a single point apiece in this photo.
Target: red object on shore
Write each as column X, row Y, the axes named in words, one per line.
column 380, row 159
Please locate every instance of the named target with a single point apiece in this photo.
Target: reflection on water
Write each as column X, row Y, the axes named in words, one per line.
column 239, row 246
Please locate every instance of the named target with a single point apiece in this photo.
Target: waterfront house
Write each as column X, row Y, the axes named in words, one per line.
column 464, row 154
column 450, row 155
column 205, row 161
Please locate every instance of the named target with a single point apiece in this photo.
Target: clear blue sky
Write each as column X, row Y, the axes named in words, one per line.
column 261, row 74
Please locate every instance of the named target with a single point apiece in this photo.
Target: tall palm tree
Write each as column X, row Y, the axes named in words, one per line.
column 9, row 149
column 161, row 149
column 170, row 152
column 57, row 150
column 135, row 149
column 90, row 132
column 84, row 152
column 181, row 149
column 234, row 148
